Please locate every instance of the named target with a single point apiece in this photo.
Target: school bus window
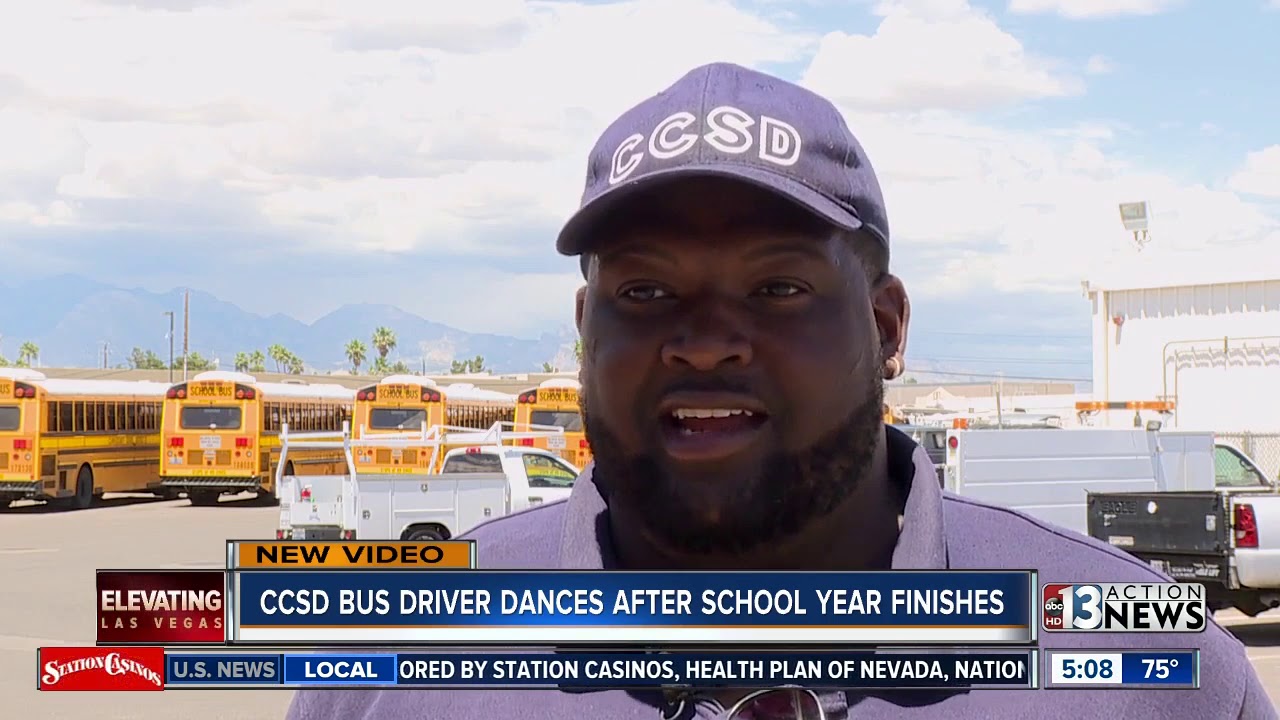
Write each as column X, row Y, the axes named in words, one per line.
column 479, row 463
column 544, row 472
column 396, row 418
column 212, row 418
column 569, row 420
column 10, row 418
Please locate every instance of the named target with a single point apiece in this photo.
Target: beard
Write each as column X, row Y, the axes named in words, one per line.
column 788, row 491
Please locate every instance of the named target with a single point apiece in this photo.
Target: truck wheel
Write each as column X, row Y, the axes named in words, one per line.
column 425, row 535
column 203, row 498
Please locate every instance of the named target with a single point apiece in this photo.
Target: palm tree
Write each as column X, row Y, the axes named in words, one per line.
column 384, row 340
column 28, row 353
column 242, row 362
column 257, row 361
column 356, row 353
column 277, row 353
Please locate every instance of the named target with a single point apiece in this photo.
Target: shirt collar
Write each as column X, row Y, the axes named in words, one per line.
column 585, row 543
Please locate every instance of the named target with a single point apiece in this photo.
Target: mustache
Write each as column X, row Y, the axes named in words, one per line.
column 710, row 383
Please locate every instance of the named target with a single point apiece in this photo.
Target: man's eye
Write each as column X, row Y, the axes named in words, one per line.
column 780, row 289
column 644, row 293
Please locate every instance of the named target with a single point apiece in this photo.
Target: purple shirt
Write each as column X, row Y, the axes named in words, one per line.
column 939, row 531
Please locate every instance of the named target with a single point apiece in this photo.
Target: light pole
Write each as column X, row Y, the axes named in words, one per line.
column 170, row 314
column 1134, row 215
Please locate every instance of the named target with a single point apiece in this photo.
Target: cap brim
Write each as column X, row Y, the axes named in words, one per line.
column 575, row 238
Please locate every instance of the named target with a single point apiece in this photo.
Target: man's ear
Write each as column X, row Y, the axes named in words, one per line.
column 892, row 311
column 580, row 303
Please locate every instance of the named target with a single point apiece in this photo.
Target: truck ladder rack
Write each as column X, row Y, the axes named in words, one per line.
column 435, row 437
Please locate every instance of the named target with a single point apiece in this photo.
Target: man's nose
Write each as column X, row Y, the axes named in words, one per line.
column 707, row 340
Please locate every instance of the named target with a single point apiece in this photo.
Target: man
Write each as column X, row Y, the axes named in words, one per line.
column 738, row 322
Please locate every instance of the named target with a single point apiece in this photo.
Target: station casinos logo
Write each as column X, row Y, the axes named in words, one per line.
column 101, row 668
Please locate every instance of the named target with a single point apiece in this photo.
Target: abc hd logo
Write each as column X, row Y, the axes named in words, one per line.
column 1124, row 607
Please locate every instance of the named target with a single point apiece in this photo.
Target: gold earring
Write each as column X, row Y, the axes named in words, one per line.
column 893, row 367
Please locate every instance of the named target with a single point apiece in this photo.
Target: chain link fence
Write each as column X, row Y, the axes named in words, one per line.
column 1264, row 448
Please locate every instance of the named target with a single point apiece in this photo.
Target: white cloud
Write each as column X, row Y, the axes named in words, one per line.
column 933, row 54
column 1260, row 174
column 1027, row 211
column 1097, row 65
column 377, row 127
column 1004, row 209
column 374, row 125
column 1091, row 9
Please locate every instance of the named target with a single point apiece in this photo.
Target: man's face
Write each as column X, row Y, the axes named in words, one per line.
column 732, row 386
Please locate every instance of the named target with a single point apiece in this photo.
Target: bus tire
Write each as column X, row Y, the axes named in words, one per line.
column 203, row 498
column 83, row 498
column 426, row 533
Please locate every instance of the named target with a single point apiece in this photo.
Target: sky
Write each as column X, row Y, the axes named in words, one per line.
column 296, row 155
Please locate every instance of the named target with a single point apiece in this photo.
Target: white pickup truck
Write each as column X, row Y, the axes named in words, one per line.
column 476, row 483
column 1226, row 537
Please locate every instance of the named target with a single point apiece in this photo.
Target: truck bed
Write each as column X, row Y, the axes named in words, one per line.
column 1186, row 535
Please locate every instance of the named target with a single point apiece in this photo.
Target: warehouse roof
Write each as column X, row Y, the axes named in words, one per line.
column 1154, row 268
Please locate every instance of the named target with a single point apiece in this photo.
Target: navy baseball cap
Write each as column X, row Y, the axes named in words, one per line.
column 724, row 120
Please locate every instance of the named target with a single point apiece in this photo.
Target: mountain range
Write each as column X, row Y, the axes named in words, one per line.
column 71, row 317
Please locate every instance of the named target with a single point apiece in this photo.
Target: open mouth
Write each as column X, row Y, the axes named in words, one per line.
column 707, row 433
column 694, row 421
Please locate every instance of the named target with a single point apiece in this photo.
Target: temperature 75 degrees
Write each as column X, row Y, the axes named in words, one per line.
column 1158, row 668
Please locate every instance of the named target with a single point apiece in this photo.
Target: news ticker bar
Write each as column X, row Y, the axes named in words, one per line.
column 948, row 669
column 139, row 669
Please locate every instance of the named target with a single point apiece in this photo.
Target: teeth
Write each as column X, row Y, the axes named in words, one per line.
column 681, row 413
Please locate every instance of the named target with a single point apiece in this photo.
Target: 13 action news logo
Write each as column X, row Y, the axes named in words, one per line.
column 100, row 668
column 1124, row 607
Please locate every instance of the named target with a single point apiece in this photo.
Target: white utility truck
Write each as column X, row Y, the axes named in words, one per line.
column 1049, row 474
column 482, row 479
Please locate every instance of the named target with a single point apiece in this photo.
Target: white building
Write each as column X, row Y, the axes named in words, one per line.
column 1200, row 330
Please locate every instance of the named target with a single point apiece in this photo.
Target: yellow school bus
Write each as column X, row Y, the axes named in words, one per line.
column 554, row 403
column 406, row 405
column 220, row 433
column 67, row 441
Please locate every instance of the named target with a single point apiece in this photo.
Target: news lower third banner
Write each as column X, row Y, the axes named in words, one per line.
column 599, row 608
column 288, row 593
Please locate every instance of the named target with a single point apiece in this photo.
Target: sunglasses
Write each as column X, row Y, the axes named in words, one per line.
column 784, row 703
